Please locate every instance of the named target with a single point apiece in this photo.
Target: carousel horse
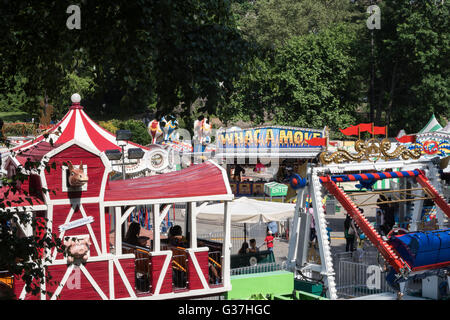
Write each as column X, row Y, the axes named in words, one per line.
column 202, row 134
column 77, row 176
column 169, row 129
column 202, row 131
column 154, row 129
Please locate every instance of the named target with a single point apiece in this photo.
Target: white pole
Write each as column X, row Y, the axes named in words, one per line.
column 193, row 225
column 156, row 228
column 118, row 231
column 226, row 251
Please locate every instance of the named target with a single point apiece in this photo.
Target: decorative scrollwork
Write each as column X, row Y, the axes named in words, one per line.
column 371, row 150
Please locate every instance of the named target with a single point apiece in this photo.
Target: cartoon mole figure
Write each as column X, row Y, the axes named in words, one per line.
column 77, row 176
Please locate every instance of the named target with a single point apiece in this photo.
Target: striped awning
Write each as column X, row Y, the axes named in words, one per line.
column 76, row 125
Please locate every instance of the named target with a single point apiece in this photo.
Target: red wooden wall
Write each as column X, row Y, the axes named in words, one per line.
column 75, row 154
column 60, row 213
column 193, row 278
column 157, row 263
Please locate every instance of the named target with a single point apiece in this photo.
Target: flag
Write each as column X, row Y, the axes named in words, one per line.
column 379, row 130
column 317, row 142
column 350, row 131
column 365, row 127
column 407, row 139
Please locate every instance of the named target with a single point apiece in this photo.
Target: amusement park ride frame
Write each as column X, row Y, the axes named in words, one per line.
column 299, row 239
column 395, row 194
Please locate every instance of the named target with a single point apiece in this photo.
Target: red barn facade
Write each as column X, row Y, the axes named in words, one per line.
column 100, row 206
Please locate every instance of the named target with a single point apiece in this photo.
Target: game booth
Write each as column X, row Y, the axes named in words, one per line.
column 265, row 154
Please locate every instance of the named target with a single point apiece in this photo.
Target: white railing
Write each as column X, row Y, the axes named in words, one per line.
column 264, row 267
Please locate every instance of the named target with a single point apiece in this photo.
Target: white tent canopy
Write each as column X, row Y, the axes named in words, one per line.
column 245, row 210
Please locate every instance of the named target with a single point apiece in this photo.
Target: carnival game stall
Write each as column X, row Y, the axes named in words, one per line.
column 265, row 154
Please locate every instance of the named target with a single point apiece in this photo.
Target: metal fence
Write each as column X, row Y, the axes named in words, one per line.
column 240, row 234
column 370, row 257
column 265, row 267
column 355, row 279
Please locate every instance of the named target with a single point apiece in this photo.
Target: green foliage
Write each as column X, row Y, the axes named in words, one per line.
column 137, row 53
column 21, row 254
column 271, row 23
column 304, row 83
column 19, row 129
column 412, row 58
column 138, row 129
column 14, row 116
column 15, row 98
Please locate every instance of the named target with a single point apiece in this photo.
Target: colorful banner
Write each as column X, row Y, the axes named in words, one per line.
column 268, row 137
column 432, row 147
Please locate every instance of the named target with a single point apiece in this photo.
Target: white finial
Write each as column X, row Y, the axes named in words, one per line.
column 76, row 98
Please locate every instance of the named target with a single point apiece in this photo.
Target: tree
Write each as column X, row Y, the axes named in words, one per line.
column 21, row 254
column 412, row 57
column 271, row 23
column 308, row 82
column 137, row 53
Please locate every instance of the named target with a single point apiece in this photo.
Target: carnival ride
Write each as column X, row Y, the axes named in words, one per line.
column 101, row 205
column 90, row 213
column 410, row 254
column 97, row 211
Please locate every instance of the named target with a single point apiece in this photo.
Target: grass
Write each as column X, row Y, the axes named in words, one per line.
column 14, row 116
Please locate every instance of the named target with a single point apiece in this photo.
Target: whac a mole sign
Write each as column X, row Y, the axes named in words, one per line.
column 268, row 137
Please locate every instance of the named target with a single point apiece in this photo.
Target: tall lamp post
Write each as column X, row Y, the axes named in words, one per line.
column 122, row 137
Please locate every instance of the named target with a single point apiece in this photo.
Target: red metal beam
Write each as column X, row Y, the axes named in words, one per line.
column 383, row 247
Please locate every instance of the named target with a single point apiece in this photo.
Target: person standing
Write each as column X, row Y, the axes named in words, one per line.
column 379, row 216
column 350, row 234
column 269, row 240
column 238, row 170
column 389, row 217
column 312, row 226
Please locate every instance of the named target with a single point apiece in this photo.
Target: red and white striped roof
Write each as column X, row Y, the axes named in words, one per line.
column 76, row 125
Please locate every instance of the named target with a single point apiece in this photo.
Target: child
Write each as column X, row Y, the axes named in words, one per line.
column 360, row 247
column 253, row 248
column 269, row 240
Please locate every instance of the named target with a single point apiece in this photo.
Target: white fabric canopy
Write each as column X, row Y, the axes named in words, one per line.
column 245, row 210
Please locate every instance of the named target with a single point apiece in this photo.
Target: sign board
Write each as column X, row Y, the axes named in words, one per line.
column 76, row 223
column 275, row 189
column 268, row 137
